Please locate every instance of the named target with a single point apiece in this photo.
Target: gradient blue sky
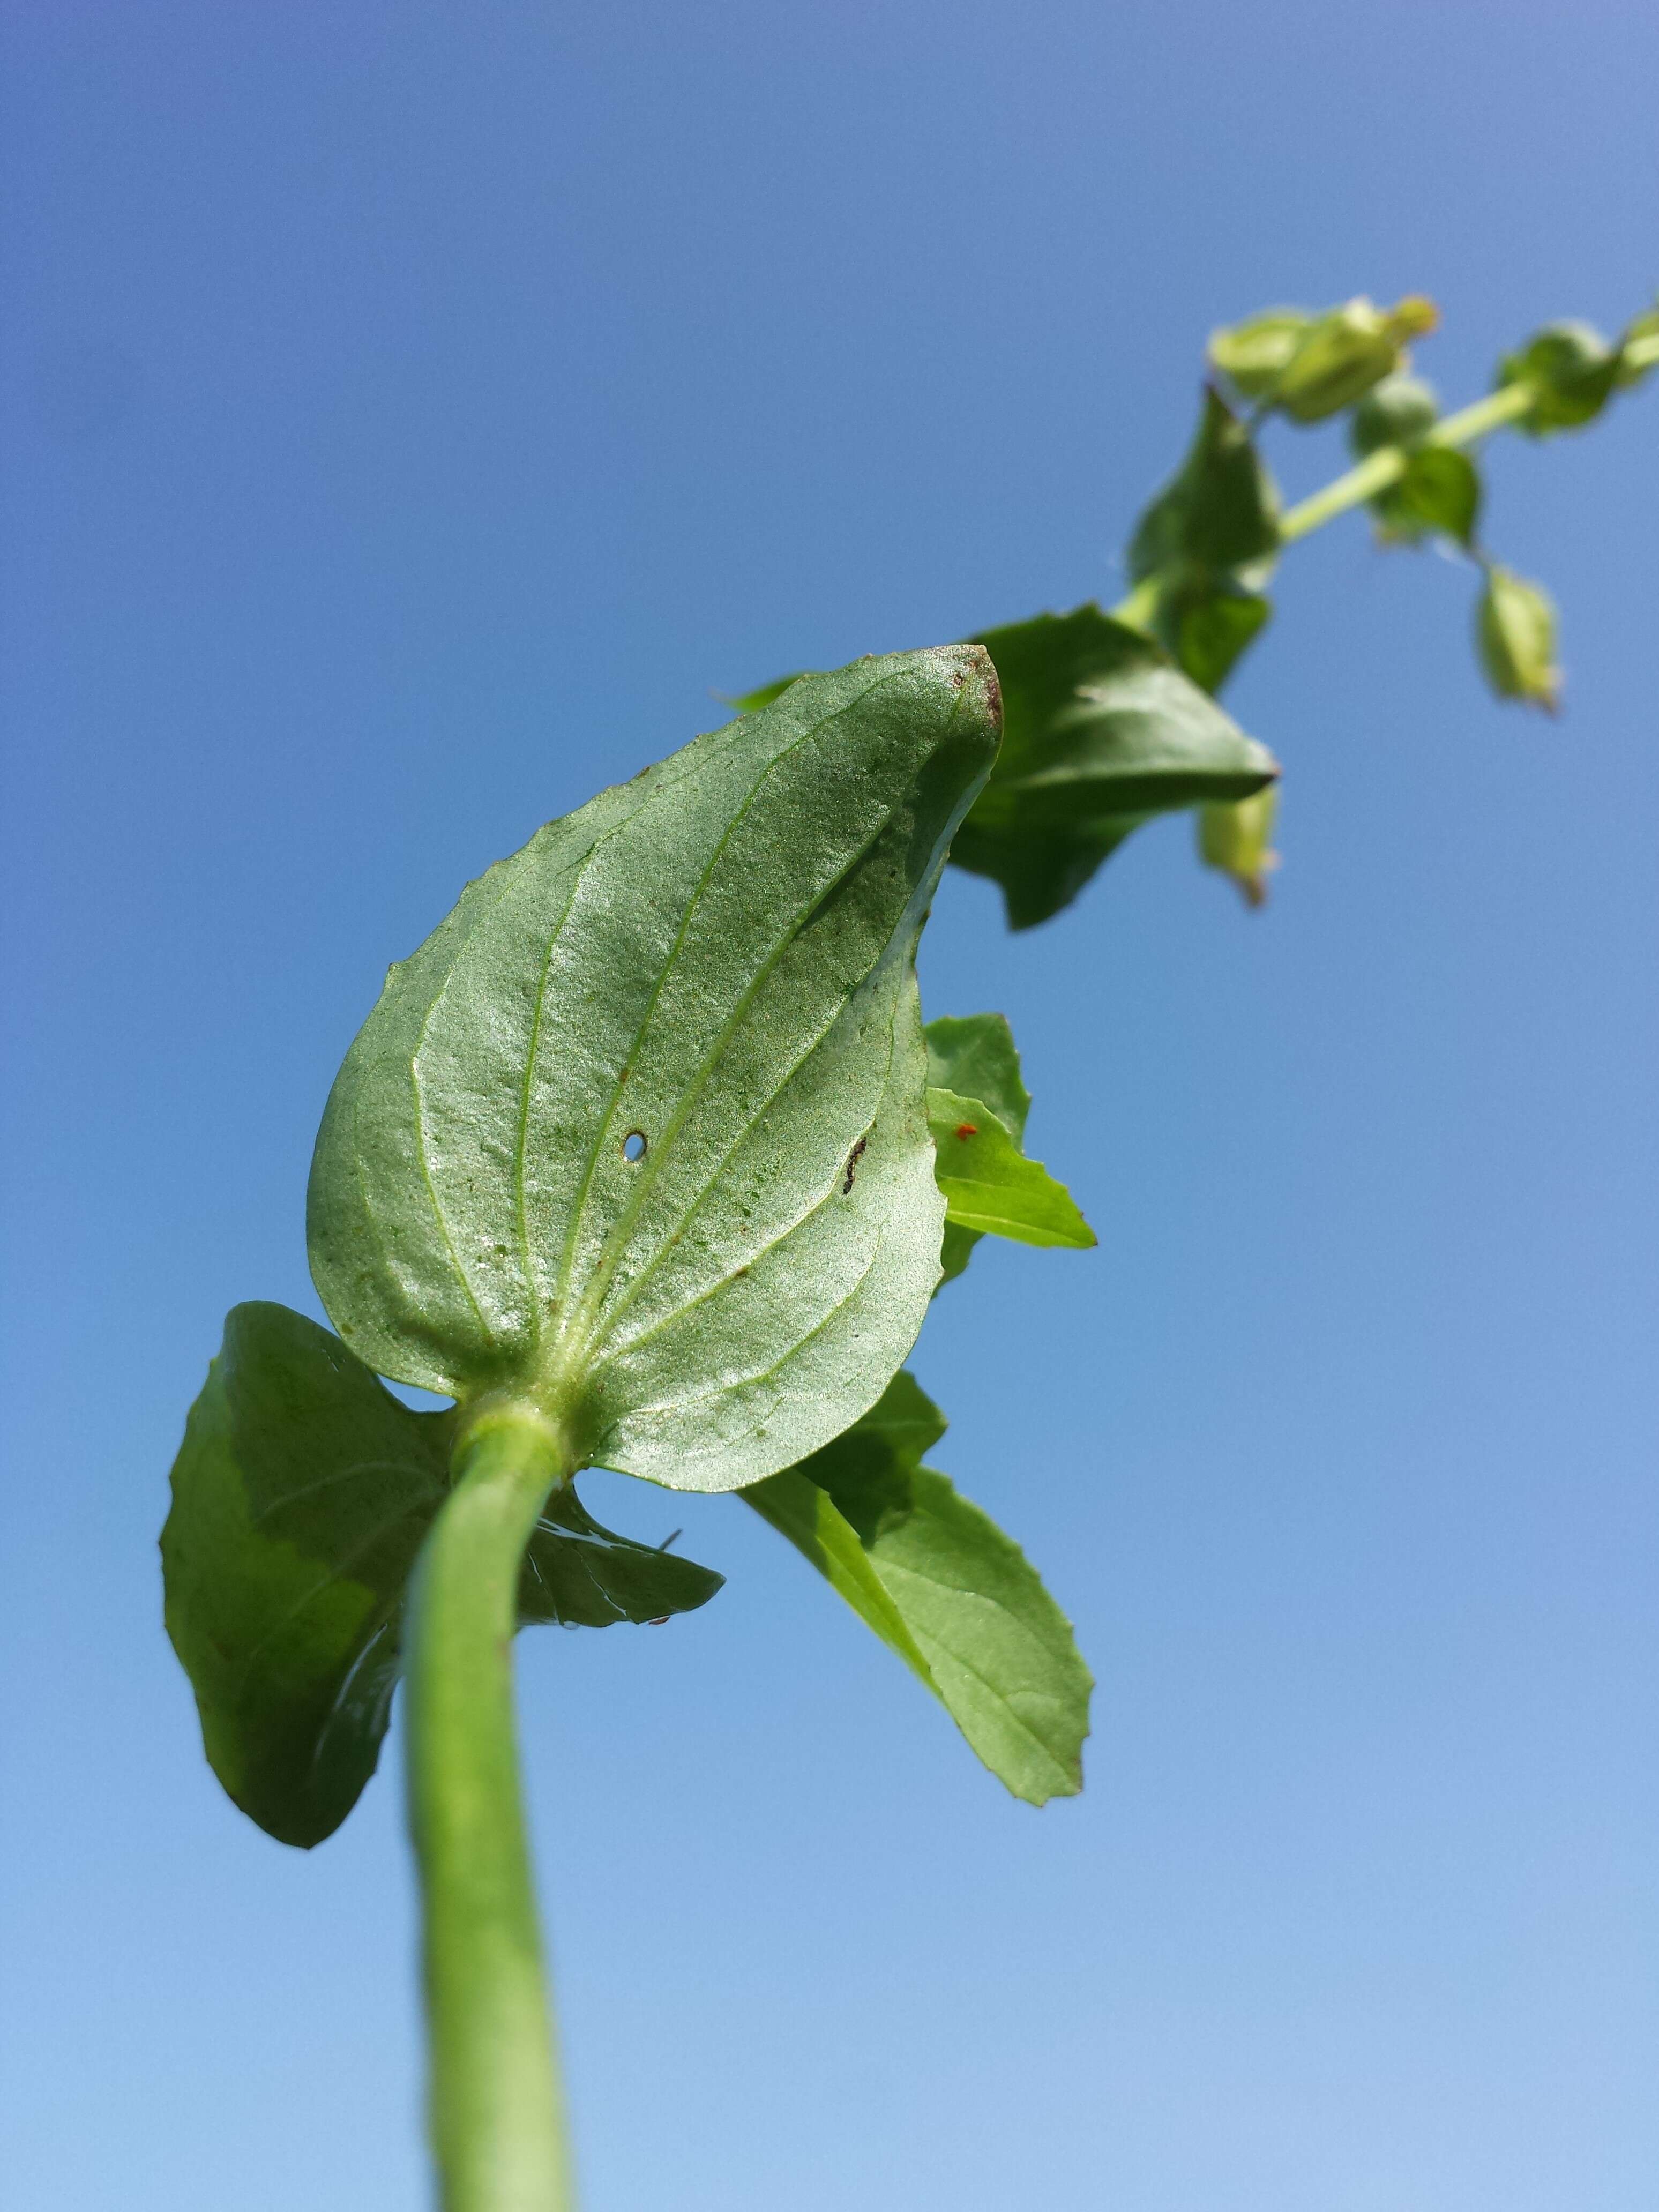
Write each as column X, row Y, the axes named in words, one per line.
column 410, row 413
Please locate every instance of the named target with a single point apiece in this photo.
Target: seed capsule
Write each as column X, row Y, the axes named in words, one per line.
column 1515, row 631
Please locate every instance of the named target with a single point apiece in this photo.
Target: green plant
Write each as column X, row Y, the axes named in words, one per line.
column 646, row 1160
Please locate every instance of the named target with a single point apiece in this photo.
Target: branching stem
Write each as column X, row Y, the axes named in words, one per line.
column 1379, row 470
column 496, row 2108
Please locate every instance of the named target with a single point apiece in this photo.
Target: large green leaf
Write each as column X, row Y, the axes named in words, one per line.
column 301, row 1495
column 1101, row 732
column 639, row 1135
column 941, row 1584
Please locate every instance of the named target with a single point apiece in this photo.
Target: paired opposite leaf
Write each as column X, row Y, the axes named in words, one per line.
column 943, row 1588
column 639, row 1134
column 300, row 1495
column 1101, row 732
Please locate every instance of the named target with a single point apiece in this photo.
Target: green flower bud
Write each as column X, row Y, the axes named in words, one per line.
column 1237, row 839
column 1396, row 412
column 1254, row 355
column 1573, row 369
column 1345, row 352
column 1515, row 631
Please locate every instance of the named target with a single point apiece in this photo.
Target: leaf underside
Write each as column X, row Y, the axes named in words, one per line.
column 301, row 1494
column 638, row 1134
column 943, row 1588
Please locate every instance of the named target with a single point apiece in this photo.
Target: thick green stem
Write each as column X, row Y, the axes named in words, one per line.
column 496, row 2109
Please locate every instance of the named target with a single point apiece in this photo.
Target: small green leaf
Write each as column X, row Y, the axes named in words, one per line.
column 1218, row 515
column 990, row 1185
column 1101, row 732
column 1440, row 492
column 943, row 1588
column 300, row 1495
column 975, row 1055
column 1237, row 840
column 1515, row 633
column 639, row 1135
column 1208, row 626
column 1574, row 370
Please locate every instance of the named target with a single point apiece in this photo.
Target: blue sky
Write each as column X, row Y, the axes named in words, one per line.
column 410, row 414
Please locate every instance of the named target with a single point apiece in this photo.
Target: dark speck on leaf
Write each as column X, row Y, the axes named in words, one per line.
column 852, row 1164
column 966, row 1129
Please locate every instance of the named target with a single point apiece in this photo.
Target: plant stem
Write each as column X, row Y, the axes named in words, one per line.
column 1380, row 470
column 497, row 2110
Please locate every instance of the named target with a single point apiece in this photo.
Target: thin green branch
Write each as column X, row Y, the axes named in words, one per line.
column 1380, row 470
column 1470, row 424
column 496, row 2108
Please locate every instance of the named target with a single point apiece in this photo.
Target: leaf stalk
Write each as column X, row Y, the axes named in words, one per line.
column 497, row 2107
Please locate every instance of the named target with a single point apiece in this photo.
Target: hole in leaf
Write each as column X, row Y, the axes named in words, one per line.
column 633, row 1145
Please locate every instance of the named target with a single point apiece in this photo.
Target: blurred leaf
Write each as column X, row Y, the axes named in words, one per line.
column 1207, row 628
column 302, row 1495
column 596, row 1143
column 943, row 1588
column 990, row 1185
column 1574, row 370
column 1217, row 517
column 1101, row 731
column 1515, row 632
column 1237, row 840
column 1439, row 492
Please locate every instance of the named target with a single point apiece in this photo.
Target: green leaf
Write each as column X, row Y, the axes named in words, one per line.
column 943, row 1588
column 1439, row 492
column 300, row 1495
column 1575, row 370
column 975, row 1055
column 1207, row 626
column 639, row 1135
column 1101, row 732
column 1218, row 515
column 989, row 1184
